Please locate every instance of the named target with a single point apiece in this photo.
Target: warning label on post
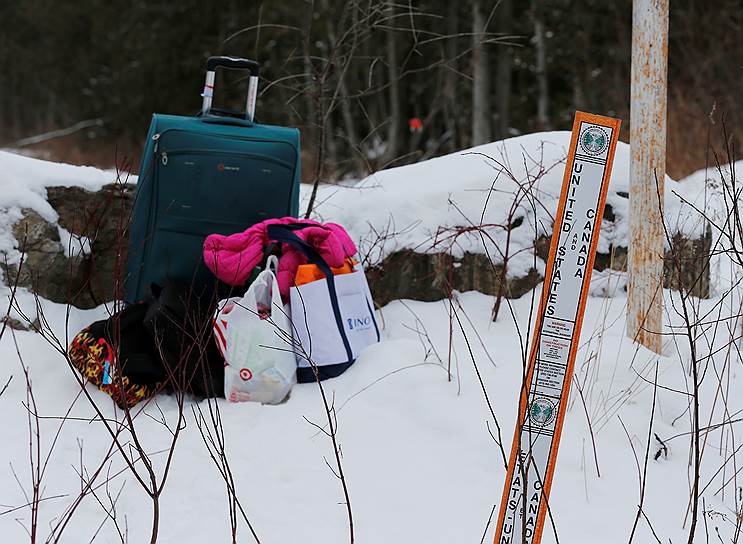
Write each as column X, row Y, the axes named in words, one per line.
column 557, row 330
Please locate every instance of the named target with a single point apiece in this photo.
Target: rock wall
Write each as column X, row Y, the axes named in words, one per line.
column 87, row 280
column 428, row 277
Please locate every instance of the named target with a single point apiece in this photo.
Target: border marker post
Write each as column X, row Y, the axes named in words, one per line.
column 544, row 393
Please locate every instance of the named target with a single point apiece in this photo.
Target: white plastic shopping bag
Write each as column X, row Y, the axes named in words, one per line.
column 254, row 334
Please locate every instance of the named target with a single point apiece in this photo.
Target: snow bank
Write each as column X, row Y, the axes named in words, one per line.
column 713, row 174
column 23, row 181
column 421, row 463
column 704, row 188
column 422, row 206
column 424, row 203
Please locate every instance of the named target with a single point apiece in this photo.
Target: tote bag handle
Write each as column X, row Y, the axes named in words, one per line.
column 287, row 235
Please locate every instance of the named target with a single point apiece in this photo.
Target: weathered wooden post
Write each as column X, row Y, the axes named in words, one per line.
column 647, row 164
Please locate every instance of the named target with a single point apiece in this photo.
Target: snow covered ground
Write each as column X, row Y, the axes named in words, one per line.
column 418, row 454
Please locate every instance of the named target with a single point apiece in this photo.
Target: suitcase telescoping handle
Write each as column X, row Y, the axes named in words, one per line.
column 233, row 63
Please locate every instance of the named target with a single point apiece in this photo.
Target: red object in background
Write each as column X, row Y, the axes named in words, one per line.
column 415, row 124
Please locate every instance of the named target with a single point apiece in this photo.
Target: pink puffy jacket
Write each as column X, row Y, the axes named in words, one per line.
column 232, row 258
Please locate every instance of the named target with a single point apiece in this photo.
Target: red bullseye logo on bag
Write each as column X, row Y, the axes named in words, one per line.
column 245, row 374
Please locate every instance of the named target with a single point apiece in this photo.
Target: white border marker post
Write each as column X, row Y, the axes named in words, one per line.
column 544, row 393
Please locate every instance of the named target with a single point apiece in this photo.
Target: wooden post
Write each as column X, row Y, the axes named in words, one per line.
column 648, row 163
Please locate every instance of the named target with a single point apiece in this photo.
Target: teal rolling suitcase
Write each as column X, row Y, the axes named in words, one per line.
column 214, row 173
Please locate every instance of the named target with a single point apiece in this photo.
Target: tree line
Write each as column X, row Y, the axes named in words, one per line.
column 371, row 83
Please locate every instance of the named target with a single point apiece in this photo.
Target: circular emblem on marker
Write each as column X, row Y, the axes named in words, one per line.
column 594, row 140
column 220, row 167
column 245, row 374
column 542, row 411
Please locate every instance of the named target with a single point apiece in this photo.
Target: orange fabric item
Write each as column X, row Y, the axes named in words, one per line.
column 307, row 273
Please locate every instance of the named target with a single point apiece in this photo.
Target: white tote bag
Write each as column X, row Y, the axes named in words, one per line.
column 332, row 319
column 254, row 334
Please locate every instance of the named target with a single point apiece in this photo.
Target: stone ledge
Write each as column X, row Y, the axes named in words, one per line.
column 89, row 280
column 84, row 280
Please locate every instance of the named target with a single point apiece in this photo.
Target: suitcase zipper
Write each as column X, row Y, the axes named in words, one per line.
column 164, row 155
column 158, row 135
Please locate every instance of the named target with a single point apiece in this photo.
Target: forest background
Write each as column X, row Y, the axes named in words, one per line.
column 371, row 84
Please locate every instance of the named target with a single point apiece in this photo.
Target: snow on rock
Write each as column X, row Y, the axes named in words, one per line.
column 704, row 188
column 23, row 183
column 424, row 203
column 73, row 245
column 420, row 206
column 714, row 174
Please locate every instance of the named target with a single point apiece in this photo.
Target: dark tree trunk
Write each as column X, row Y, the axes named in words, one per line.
column 540, row 44
column 481, row 114
column 395, row 112
column 504, row 27
column 451, row 108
